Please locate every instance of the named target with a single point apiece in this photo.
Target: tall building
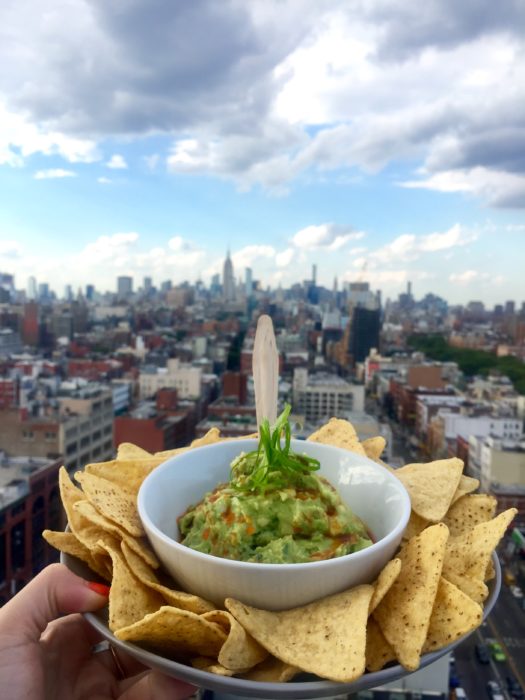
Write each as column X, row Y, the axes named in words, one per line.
column 148, row 285
column 43, row 291
column 228, row 281
column 364, row 332
column 248, row 282
column 124, row 287
column 90, row 292
column 31, row 288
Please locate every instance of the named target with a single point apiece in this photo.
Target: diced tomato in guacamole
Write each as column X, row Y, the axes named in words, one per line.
column 303, row 523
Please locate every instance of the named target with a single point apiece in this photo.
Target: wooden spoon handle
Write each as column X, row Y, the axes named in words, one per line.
column 265, row 371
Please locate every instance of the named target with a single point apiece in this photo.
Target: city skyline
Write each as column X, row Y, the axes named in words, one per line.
column 380, row 143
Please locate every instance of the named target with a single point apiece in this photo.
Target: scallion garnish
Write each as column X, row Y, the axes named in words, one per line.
column 273, row 465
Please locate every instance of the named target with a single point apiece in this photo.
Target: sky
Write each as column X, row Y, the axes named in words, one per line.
column 377, row 139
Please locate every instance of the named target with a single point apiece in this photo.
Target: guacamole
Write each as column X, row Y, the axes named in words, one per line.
column 303, row 522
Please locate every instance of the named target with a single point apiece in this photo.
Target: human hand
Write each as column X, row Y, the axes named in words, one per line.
column 46, row 647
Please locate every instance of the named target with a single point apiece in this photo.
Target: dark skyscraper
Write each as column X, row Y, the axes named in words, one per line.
column 364, row 332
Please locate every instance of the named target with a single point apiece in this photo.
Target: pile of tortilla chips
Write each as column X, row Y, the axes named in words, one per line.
column 428, row 596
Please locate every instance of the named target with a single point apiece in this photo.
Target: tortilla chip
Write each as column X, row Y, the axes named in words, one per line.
column 213, row 435
column 271, row 670
column 203, row 663
column 490, row 571
column 469, row 511
column 378, row 650
column 416, row 524
column 374, row 447
column 469, row 554
column 475, row 589
column 326, row 637
column 126, row 474
column 129, row 598
column 240, row 651
column 454, row 614
column 167, row 454
column 68, row 543
column 177, row 634
column 404, row 613
column 127, row 450
column 69, row 494
column 145, row 574
column 113, row 502
column 431, row 486
column 339, row 433
column 383, row 583
column 139, row 545
column 467, row 484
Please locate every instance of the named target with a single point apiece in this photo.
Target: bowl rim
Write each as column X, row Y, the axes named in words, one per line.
column 395, row 533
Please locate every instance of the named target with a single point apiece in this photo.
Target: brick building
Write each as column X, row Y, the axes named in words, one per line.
column 158, row 425
column 29, row 503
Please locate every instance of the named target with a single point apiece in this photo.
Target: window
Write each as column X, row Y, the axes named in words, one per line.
column 28, row 435
column 18, row 544
column 72, row 447
column 50, row 436
column 38, row 505
column 19, row 508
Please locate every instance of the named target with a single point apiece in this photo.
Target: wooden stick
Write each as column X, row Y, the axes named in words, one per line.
column 265, row 371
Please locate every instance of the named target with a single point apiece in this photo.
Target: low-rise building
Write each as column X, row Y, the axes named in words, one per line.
column 29, row 504
column 444, row 429
column 185, row 378
column 159, row 425
column 500, row 466
column 321, row 396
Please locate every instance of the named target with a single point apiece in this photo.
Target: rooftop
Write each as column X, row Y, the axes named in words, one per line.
column 14, row 476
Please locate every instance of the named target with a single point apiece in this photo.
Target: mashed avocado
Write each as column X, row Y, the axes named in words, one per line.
column 305, row 522
column 274, row 509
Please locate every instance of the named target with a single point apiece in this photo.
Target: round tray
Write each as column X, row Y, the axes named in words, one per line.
column 302, row 686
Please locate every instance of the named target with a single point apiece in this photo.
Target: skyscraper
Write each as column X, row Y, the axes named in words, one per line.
column 31, row 288
column 248, row 282
column 228, row 281
column 124, row 287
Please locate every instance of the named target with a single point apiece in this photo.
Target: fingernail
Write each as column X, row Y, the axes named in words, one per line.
column 99, row 588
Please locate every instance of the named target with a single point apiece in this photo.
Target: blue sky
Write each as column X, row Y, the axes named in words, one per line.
column 377, row 140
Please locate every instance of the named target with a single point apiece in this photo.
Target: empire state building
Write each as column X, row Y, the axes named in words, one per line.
column 228, row 282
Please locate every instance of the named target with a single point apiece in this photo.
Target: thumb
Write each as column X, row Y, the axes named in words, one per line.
column 157, row 686
column 54, row 592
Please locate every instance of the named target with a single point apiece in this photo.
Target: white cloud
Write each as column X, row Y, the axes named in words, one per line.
column 379, row 82
column 497, row 187
column 465, row 277
column 117, row 162
column 251, row 255
column 113, row 249
column 285, row 257
column 409, row 247
column 21, row 139
column 104, row 180
column 53, row 173
column 327, row 236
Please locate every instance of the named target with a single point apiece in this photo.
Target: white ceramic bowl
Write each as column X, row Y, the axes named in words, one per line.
column 370, row 490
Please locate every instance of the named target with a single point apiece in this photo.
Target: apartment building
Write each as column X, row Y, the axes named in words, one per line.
column 322, row 395
column 500, row 466
column 186, row 378
column 444, row 429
